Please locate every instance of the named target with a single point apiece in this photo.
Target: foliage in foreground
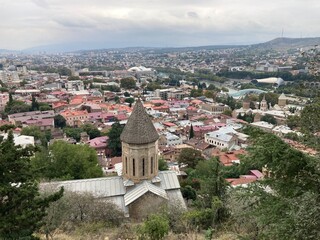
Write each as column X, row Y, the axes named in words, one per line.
column 21, row 208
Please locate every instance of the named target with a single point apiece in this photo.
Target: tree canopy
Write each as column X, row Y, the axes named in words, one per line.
column 127, row 83
column 21, row 208
column 280, row 203
column 114, row 143
column 60, row 121
column 66, row 161
column 189, row 157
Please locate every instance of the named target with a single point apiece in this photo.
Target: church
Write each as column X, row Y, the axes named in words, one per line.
column 141, row 189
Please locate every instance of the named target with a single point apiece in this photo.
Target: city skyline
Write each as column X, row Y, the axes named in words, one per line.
column 82, row 24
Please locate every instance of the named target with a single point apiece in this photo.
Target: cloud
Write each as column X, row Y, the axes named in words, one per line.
column 154, row 23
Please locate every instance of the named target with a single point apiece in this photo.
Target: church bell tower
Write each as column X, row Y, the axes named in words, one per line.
column 139, row 146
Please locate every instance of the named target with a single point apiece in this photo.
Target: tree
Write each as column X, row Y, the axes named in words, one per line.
column 129, row 100
column 34, row 104
column 74, row 209
column 228, row 112
column 21, row 208
column 126, row 94
column 189, row 157
column 127, row 83
column 59, row 121
column 14, row 106
column 156, row 227
column 310, row 117
column 91, row 130
column 114, row 143
column 191, row 133
column 67, row 161
column 281, row 212
column 213, row 187
column 211, row 87
column 38, row 135
column 270, row 98
column 7, row 127
column 73, row 132
column 269, row 118
column 162, row 165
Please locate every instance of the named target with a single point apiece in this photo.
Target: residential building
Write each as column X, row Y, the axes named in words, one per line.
column 75, row 117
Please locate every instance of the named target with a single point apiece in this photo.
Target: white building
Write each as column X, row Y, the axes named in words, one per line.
column 22, row 140
column 225, row 137
column 4, row 99
column 263, row 125
column 76, row 85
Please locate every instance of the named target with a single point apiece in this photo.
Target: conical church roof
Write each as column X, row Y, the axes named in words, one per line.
column 139, row 128
column 282, row 96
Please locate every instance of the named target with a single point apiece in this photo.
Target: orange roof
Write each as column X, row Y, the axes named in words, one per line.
column 58, row 104
column 68, row 113
column 240, row 181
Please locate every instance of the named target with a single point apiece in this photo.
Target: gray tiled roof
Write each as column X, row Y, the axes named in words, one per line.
column 139, row 128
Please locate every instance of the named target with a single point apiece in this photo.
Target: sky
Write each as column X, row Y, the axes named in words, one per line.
column 89, row 24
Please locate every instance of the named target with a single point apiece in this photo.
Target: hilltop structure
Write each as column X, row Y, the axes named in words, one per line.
column 141, row 189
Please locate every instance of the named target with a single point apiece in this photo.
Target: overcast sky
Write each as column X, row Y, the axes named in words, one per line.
column 161, row 23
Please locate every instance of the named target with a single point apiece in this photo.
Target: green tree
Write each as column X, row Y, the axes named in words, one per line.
column 73, row 133
column 114, row 143
column 129, row 100
column 211, row 87
column 162, row 165
column 156, row 227
column 14, row 106
column 189, row 157
column 213, row 187
column 6, row 127
column 60, row 121
column 91, row 130
column 270, row 98
column 127, row 83
column 269, row 118
column 191, row 133
column 281, row 212
column 227, row 112
column 67, row 161
column 310, row 117
column 38, row 135
column 21, row 208
column 34, row 104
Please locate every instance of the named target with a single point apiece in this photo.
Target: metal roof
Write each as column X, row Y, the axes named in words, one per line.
column 176, row 198
column 99, row 187
column 169, row 180
column 142, row 189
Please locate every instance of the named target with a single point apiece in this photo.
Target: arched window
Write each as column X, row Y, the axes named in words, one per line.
column 152, row 165
column 133, row 167
column 143, row 167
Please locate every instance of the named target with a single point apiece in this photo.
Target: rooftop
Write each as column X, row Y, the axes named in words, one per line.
column 139, row 128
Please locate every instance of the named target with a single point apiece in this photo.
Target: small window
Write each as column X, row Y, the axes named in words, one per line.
column 126, row 165
column 133, row 167
column 152, row 165
column 143, row 166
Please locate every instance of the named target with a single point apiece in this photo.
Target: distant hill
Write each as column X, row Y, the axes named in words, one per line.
column 287, row 43
column 6, row 51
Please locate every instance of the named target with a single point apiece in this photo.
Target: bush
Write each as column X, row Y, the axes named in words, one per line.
column 154, row 228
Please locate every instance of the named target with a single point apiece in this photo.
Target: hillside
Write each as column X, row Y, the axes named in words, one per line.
column 284, row 44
